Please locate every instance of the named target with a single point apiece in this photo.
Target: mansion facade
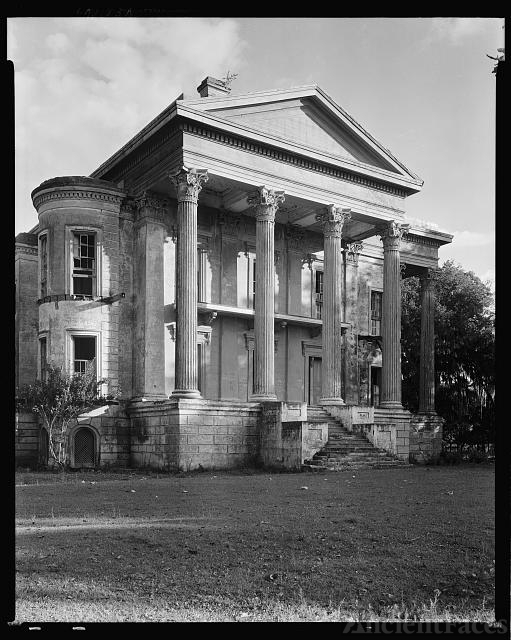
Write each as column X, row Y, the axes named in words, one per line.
column 232, row 271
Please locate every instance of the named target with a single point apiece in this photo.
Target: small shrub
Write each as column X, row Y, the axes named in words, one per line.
column 451, row 457
column 477, row 456
column 58, row 399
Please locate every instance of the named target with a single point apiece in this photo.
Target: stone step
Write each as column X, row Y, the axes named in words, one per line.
column 340, row 444
column 351, row 458
column 352, row 467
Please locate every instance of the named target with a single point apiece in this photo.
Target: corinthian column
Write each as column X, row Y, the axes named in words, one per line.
column 188, row 183
column 427, row 346
column 266, row 202
column 331, row 373
column 391, row 315
column 351, row 254
column 148, row 344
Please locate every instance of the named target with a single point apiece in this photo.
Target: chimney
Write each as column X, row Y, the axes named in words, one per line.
column 212, row 87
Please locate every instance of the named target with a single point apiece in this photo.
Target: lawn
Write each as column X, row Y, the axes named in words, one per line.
column 391, row 544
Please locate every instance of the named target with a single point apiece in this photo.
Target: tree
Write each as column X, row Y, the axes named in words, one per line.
column 464, row 353
column 59, row 399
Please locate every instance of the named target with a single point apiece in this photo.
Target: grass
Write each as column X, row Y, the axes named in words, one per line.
column 371, row 545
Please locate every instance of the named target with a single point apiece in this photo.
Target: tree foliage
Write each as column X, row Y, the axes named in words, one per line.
column 464, row 353
column 58, row 399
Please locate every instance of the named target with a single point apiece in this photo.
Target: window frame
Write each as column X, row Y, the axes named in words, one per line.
column 203, row 290
column 41, row 371
column 71, row 230
column 370, row 315
column 70, row 359
column 317, row 309
column 44, row 235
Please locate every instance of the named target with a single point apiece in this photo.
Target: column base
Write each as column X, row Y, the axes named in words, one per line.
column 331, row 401
column 149, row 397
column 186, row 393
column 267, row 397
column 390, row 404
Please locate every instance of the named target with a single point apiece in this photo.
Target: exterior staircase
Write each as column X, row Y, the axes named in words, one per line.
column 345, row 450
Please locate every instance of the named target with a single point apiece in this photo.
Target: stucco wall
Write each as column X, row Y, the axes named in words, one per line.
column 26, row 319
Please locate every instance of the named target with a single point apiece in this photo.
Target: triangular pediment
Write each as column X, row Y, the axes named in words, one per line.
column 306, row 124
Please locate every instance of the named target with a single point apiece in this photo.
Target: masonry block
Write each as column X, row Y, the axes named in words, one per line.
column 213, row 448
column 201, row 439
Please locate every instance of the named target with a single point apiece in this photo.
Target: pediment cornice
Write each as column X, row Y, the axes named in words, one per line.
column 406, row 180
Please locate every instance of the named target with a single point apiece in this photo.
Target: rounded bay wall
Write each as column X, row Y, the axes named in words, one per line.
column 70, row 208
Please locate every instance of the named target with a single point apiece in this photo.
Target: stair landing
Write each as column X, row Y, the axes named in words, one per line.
column 346, row 450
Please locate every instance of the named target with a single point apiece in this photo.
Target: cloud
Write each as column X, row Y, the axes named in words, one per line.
column 85, row 86
column 457, row 30
column 472, row 238
column 58, row 42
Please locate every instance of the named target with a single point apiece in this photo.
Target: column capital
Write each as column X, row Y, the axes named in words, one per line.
column 188, row 183
column 150, row 206
column 352, row 252
column 266, row 202
column 333, row 220
column 392, row 233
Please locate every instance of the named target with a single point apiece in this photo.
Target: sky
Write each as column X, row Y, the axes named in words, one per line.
column 423, row 87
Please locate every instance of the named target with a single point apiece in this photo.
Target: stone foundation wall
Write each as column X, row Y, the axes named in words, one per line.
column 281, row 429
column 391, row 431
column 426, row 433
column 190, row 434
column 112, row 425
column 314, row 438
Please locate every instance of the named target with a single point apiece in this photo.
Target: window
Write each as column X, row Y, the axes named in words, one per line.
column 376, row 305
column 202, row 275
column 43, row 257
column 84, row 263
column 252, row 284
column 42, row 358
column 318, row 293
column 246, row 278
column 84, row 351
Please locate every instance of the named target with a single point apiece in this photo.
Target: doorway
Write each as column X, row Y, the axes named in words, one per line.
column 375, row 386
column 314, row 394
column 84, row 448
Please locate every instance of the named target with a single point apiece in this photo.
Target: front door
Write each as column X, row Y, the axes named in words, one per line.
column 314, row 380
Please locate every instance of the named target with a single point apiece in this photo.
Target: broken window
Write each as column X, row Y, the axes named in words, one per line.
column 84, row 263
column 84, row 352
